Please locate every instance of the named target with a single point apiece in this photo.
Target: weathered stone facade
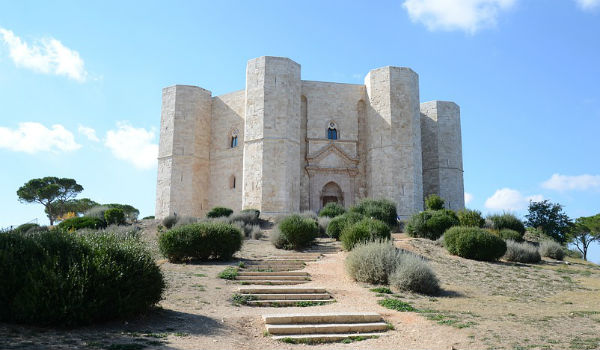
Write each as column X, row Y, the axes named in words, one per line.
column 285, row 145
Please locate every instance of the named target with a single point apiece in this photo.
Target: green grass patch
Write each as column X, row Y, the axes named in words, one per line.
column 381, row 290
column 230, row 273
column 241, row 299
column 200, row 274
column 397, row 305
column 309, row 303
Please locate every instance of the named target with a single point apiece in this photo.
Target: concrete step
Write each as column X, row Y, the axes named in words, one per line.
column 280, row 290
column 275, row 263
column 301, row 296
column 288, row 302
column 259, row 268
column 273, row 277
column 273, row 273
column 321, row 328
column 322, row 338
column 335, row 317
column 273, row 282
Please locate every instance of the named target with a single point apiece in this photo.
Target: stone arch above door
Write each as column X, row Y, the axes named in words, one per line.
column 331, row 193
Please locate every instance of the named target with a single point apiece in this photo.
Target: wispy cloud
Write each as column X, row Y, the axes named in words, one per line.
column 135, row 145
column 588, row 5
column 31, row 137
column 583, row 182
column 468, row 198
column 510, row 200
column 448, row 15
column 47, row 55
column 88, row 132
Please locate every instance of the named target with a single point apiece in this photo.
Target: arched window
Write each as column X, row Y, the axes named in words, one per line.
column 234, row 138
column 332, row 133
column 232, row 181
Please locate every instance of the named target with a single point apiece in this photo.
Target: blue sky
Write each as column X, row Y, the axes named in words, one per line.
column 80, row 85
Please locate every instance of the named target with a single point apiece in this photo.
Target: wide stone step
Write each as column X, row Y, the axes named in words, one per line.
column 323, row 328
column 273, row 282
column 289, row 302
column 323, row 338
column 337, row 317
column 273, row 273
column 273, row 277
column 260, row 268
column 280, row 290
column 275, row 263
column 301, row 296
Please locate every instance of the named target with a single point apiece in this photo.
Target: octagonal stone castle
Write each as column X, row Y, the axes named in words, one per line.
column 286, row 145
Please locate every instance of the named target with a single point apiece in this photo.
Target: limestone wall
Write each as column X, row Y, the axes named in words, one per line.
column 394, row 160
column 442, row 152
column 226, row 163
column 183, row 159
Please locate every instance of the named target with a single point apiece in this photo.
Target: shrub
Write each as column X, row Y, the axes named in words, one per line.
column 382, row 209
column 332, row 210
column 230, row 273
column 372, row 262
column 414, row 274
column 277, row 239
column 59, row 278
column 297, row 232
column 184, row 220
column 169, row 221
column 96, row 212
column 130, row 212
column 26, row 228
column 337, row 224
column 434, row 202
column 507, row 234
column 552, row 249
column 506, row 220
column 472, row 218
column 309, row 214
column 200, row 241
column 323, row 222
column 81, row 222
column 218, row 212
column 521, row 252
column 256, row 232
column 246, row 217
column 250, row 210
column 114, row 216
column 474, row 243
column 151, row 217
column 364, row 231
column 431, row 223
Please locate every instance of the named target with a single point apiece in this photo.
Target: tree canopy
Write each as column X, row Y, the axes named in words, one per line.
column 550, row 218
column 49, row 191
column 585, row 231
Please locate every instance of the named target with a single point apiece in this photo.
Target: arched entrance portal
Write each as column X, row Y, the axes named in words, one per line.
column 331, row 193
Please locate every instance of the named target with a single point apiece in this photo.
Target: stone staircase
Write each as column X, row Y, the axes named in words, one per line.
column 285, row 296
column 272, row 277
column 324, row 327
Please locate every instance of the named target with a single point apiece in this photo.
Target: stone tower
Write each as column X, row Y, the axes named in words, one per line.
column 271, row 173
column 183, row 156
column 394, row 160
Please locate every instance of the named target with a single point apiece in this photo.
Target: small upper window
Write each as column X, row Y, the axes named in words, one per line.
column 234, row 138
column 332, row 133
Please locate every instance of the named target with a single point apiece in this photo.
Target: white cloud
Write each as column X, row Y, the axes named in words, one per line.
column 88, row 132
column 588, row 5
column 134, row 145
column 510, row 200
column 560, row 182
column 48, row 56
column 31, row 137
column 468, row 198
column 466, row 15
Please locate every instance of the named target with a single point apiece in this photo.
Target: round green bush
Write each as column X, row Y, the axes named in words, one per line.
column 413, row 273
column 509, row 221
column 332, row 210
column 60, row 278
column 474, row 243
column 114, row 216
column 365, row 230
column 431, row 223
column 82, row 222
column 521, row 252
column 372, row 262
column 201, row 241
column 297, row 232
column 337, row 224
column 507, row 234
column 468, row 217
column 218, row 212
column 381, row 209
column 434, row 202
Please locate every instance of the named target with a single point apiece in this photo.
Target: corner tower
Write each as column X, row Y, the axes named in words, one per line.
column 442, row 152
column 272, row 167
column 183, row 154
column 394, row 168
